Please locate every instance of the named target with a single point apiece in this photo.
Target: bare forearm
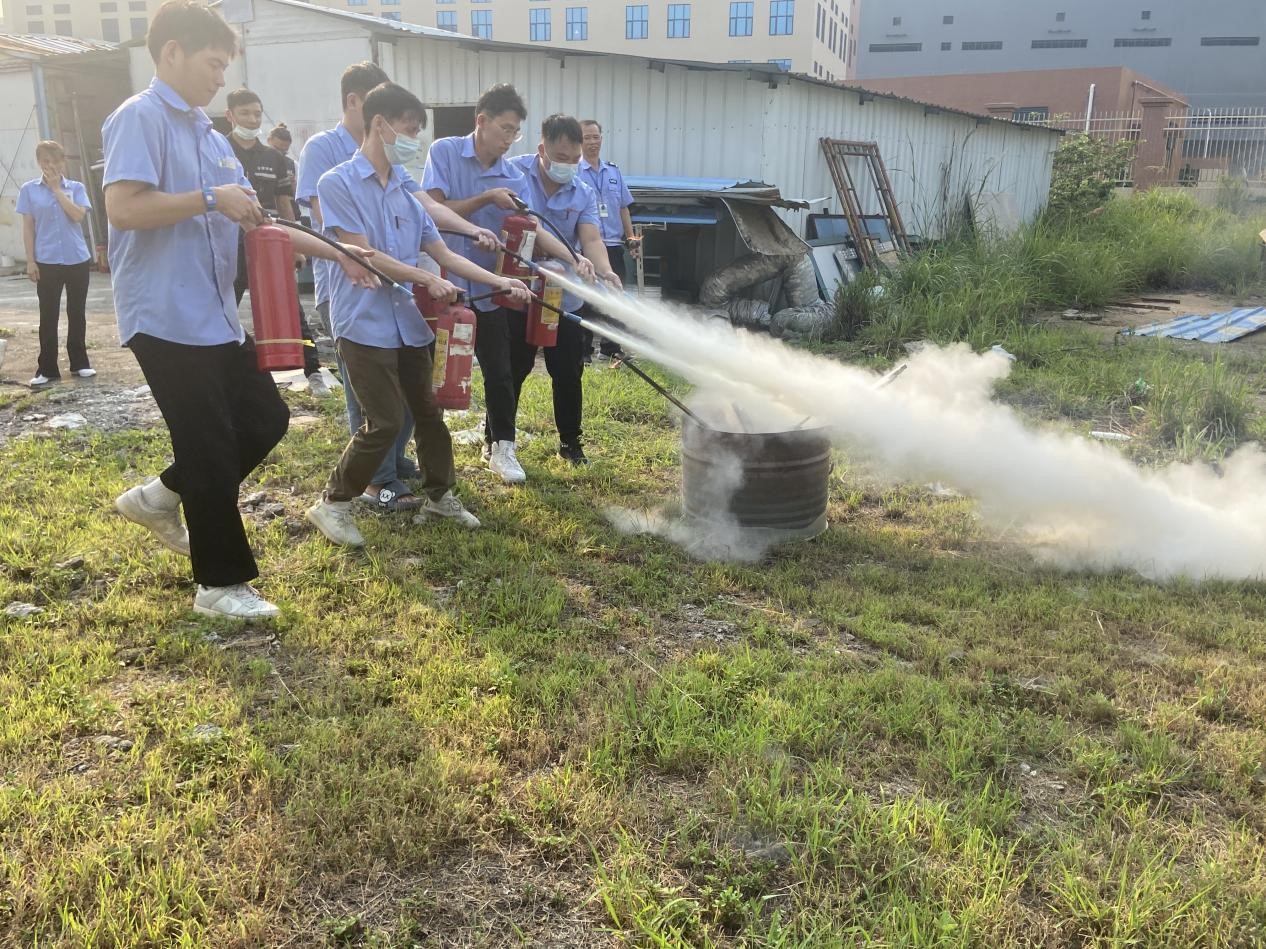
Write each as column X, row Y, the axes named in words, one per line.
column 455, row 263
column 596, row 251
column 150, row 209
column 465, row 207
column 551, row 245
column 72, row 210
column 444, row 216
column 28, row 238
column 627, row 220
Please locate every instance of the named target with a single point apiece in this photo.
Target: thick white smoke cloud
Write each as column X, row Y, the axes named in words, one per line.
column 1077, row 503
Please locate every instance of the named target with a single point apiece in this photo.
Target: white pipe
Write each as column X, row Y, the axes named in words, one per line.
column 1090, row 107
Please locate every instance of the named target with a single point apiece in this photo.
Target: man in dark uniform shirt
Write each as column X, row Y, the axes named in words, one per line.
column 280, row 140
column 273, row 181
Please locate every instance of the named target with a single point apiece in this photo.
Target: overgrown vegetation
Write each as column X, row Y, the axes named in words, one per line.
column 1084, row 173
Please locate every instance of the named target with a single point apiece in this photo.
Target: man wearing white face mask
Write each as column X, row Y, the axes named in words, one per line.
column 268, row 174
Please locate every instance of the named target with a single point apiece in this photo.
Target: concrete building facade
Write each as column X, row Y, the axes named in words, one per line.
column 1210, row 52
column 114, row 21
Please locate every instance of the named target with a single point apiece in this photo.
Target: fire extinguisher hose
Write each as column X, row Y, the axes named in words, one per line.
column 295, row 225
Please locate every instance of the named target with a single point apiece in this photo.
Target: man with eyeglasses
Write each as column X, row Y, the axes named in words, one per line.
column 471, row 176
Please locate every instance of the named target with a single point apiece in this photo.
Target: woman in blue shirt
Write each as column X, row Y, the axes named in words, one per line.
column 53, row 208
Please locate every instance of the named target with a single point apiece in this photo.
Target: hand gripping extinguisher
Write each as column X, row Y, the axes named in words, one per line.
column 518, row 236
column 454, row 328
column 274, row 299
column 547, row 303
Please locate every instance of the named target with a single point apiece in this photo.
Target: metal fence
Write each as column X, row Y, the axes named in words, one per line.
column 1202, row 146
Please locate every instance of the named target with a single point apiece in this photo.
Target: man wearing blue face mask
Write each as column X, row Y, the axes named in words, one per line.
column 560, row 196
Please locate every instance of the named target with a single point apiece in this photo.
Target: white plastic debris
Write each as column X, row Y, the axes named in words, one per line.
column 69, row 420
column 996, row 348
column 21, row 610
column 140, row 392
column 1111, row 436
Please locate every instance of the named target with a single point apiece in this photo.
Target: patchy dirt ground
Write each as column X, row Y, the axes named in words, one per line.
column 1112, row 320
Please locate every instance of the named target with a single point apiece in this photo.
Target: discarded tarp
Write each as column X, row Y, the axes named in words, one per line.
column 1213, row 328
column 805, row 315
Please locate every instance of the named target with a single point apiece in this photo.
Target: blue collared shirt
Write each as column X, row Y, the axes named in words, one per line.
column 391, row 220
column 173, row 282
column 453, row 169
column 58, row 239
column 608, row 183
column 320, row 153
column 567, row 208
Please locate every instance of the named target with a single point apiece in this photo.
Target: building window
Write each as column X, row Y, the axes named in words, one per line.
column 781, row 17
column 391, row 15
column 783, row 64
column 1230, row 41
column 1059, row 17
column 34, row 9
column 577, row 23
column 358, row 3
column 678, row 21
column 741, row 19
column 540, row 29
column 947, row 21
column 896, row 21
column 1146, row 15
column 896, row 47
column 35, row 26
column 1058, row 44
column 1143, row 41
column 946, row 47
column 738, row 60
column 62, row 28
column 983, row 44
column 481, row 23
column 390, row 3
column 136, row 6
column 446, row 20
column 635, row 22
column 1037, row 113
column 138, row 25
column 445, row 1
column 63, row 8
column 110, row 29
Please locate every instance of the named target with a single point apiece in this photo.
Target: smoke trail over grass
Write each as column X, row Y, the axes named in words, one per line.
column 1077, row 503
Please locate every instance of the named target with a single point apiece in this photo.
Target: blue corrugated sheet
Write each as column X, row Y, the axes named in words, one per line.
column 1214, row 328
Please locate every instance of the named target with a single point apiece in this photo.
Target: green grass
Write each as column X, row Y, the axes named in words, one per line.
column 901, row 734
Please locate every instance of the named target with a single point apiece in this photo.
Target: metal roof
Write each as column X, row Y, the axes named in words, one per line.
column 26, row 44
column 1214, row 328
column 772, row 72
column 662, row 188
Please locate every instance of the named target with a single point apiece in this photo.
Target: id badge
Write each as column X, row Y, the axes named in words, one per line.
column 602, row 210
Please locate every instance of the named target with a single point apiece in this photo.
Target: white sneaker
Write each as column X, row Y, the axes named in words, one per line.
column 41, row 379
column 448, row 506
column 165, row 523
column 239, row 601
column 317, row 386
column 85, row 373
column 334, row 520
column 485, row 452
column 503, row 462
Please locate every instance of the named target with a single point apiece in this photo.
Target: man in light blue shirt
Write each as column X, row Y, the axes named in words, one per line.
column 557, row 194
column 321, row 153
column 380, row 334
column 471, row 175
column 175, row 198
column 53, row 208
column 614, row 220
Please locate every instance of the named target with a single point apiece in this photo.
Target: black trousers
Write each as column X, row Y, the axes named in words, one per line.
column 566, row 365
column 615, row 257
column 494, row 334
column 311, row 361
column 73, row 278
column 224, row 416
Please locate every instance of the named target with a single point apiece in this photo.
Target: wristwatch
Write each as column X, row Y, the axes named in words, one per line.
column 208, row 199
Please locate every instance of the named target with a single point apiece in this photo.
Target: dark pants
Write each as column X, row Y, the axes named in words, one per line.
column 385, row 381
column 74, row 279
column 311, row 362
column 495, row 335
column 615, row 256
column 565, row 363
column 224, row 416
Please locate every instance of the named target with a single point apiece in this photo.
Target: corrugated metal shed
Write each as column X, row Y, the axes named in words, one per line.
column 1213, row 328
column 37, row 46
column 674, row 119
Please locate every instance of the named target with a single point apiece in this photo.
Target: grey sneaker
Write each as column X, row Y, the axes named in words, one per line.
column 505, row 463
column 317, row 386
column 239, row 601
column 334, row 520
column 165, row 523
column 448, row 506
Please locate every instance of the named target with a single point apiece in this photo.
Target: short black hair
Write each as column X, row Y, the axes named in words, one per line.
column 392, row 102
column 358, row 79
column 242, row 96
column 195, row 26
column 501, row 98
column 281, row 132
column 584, row 122
column 558, row 127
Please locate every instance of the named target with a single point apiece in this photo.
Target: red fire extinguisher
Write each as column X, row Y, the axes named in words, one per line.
column 542, row 321
column 518, row 234
column 274, row 299
column 454, row 328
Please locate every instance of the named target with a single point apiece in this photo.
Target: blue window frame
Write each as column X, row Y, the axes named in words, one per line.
column 636, row 22
column 481, row 24
column 391, row 15
column 781, row 17
column 358, row 3
column 783, row 64
column 678, row 21
column 539, row 25
column 741, row 19
column 577, row 23
column 446, row 20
